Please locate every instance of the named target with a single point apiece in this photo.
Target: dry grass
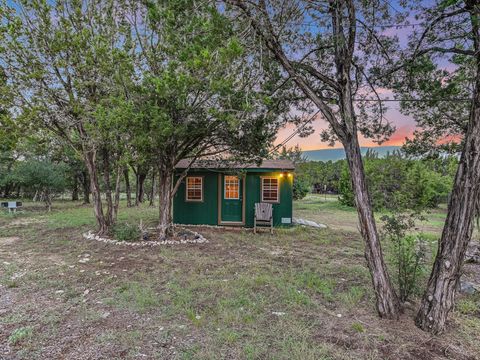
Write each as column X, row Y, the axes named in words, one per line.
column 240, row 296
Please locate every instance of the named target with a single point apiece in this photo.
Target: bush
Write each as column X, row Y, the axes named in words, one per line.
column 126, row 232
column 407, row 252
column 345, row 191
column 40, row 178
column 300, row 188
column 396, row 182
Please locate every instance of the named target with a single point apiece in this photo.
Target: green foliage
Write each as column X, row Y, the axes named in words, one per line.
column 293, row 154
column 300, row 188
column 347, row 196
column 323, row 176
column 356, row 326
column 198, row 92
column 126, row 232
column 397, row 182
column 407, row 251
column 38, row 178
column 20, row 334
column 40, row 175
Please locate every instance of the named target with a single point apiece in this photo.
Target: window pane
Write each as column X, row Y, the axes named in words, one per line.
column 194, row 188
column 231, row 187
column 269, row 189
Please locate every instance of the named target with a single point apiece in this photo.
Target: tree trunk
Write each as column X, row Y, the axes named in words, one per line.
column 152, row 191
column 6, row 192
column 127, row 187
column 387, row 303
column 108, row 188
column 165, row 182
column 102, row 224
column 439, row 297
column 86, row 188
column 140, row 180
column 117, row 194
column 47, row 200
column 75, row 188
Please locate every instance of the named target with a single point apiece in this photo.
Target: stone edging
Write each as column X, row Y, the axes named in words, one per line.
column 198, row 240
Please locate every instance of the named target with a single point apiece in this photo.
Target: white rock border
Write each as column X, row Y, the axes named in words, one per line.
column 199, row 239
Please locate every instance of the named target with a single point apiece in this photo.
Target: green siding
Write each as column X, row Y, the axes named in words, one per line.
column 196, row 213
column 206, row 212
column 253, row 188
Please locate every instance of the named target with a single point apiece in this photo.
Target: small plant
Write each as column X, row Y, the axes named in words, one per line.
column 358, row 327
column 353, row 296
column 126, row 232
column 19, row 334
column 408, row 251
column 138, row 296
column 467, row 307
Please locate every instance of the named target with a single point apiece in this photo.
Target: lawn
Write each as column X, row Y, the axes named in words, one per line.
column 302, row 293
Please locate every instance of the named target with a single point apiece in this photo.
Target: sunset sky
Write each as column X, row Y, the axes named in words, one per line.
column 404, row 128
column 404, row 125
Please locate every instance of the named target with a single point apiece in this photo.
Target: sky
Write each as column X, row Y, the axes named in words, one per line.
column 404, row 128
column 403, row 124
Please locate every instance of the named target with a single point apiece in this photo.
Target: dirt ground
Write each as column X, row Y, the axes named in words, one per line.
column 299, row 294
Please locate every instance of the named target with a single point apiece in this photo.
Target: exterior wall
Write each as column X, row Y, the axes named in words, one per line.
column 206, row 212
column 283, row 209
column 197, row 213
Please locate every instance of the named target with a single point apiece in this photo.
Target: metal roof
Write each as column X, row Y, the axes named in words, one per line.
column 216, row 164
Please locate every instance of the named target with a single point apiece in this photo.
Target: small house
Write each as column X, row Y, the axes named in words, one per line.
column 213, row 193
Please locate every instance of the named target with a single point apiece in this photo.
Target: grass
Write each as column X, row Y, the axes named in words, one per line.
column 20, row 334
column 300, row 294
column 330, row 211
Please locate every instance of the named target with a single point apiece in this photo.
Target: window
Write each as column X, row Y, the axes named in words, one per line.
column 194, row 188
column 270, row 189
column 231, row 187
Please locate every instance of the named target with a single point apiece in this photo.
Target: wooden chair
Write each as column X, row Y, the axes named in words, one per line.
column 263, row 216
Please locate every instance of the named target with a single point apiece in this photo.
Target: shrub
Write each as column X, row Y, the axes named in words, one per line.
column 126, row 232
column 300, row 188
column 358, row 327
column 407, row 251
column 397, row 182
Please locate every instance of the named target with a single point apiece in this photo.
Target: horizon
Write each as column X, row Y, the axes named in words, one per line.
column 405, row 126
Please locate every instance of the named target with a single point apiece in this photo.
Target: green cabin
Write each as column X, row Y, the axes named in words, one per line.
column 216, row 194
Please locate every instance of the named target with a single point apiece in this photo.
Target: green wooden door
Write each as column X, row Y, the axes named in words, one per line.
column 232, row 198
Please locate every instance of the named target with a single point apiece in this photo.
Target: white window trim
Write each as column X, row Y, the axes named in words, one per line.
column 201, row 189
column 277, row 201
column 225, row 188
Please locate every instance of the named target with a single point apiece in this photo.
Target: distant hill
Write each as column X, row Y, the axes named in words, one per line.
column 339, row 154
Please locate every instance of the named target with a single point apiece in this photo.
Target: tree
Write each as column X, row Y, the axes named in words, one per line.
column 199, row 95
column 9, row 134
column 325, row 49
column 396, row 182
column 293, row 154
column 450, row 31
column 41, row 177
column 63, row 61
